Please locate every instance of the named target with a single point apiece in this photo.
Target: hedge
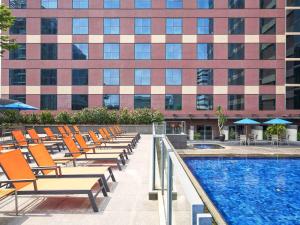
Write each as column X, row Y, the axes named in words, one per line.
column 85, row 116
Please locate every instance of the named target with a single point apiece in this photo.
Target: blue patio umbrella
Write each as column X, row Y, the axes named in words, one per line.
column 277, row 121
column 8, row 104
column 246, row 122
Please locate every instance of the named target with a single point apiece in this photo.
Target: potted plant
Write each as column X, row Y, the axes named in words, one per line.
column 222, row 118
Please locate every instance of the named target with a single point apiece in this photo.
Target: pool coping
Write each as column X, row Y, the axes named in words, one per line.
column 200, row 190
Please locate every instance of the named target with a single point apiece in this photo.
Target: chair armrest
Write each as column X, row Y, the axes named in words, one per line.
column 10, row 182
column 57, row 169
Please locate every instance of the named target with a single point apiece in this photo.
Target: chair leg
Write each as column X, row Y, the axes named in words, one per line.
column 16, row 203
column 104, row 182
column 102, row 187
column 93, row 202
column 111, row 175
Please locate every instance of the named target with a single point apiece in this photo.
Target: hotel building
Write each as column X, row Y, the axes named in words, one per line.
column 182, row 57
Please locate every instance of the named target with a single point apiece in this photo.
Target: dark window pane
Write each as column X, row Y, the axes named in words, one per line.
column 236, row 102
column 19, row 26
column 18, row 53
column 173, row 76
column 173, row 102
column 293, row 3
column 49, row 51
column 48, row 4
column 293, row 46
column 48, row 102
column 205, row 51
column 20, row 98
column 143, row 4
column 267, row 51
column 80, row 51
column 204, row 102
column 17, row 77
column 80, row 77
column 205, row 76
column 79, row 102
column 49, row 26
column 111, row 76
column 293, row 72
column 267, row 26
column 80, row 4
column 48, row 76
column 236, row 26
column 236, row 4
column 174, row 4
column 235, row 51
column 17, row 4
column 205, row 26
column 293, row 20
column 293, row 98
column 267, row 77
column 236, row 77
column 267, row 4
column 142, row 101
column 267, row 102
column 111, row 101
column 205, row 4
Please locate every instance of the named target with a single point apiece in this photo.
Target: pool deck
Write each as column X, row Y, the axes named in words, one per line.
column 127, row 204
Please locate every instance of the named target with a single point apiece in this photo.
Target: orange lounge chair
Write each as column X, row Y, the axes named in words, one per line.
column 68, row 130
column 63, row 132
column 112, row 138
column 74, row 151
column 4, row 193
column 44, row 160
column 116, row 134
column 121, row 132
column 98, row 142
column 109, row 139
column 51, row 136
column 95, row 149
column 20, row 175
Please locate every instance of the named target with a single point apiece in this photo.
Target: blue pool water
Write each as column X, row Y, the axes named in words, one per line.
column 207, row 146
column 251, row 191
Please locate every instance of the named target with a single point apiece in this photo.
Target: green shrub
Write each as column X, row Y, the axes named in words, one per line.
column 298, row 136
column 64, row 118
column 46, row 118
column 279, row 130
column 30, row 118
column 197, row 136
column 11, row 116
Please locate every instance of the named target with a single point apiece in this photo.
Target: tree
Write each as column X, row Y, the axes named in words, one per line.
column 6, row 21
column 221, row 119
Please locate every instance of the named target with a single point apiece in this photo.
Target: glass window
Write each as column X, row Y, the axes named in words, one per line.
column 143, row 4
column 236, row 77
column 20, row 98
column 142, row 51
column 293, row 98
column 205, row 25
column 267, row 77
column 48, row 4
column 48, row 76
column 48, row 26
column 235, row 51
column 111, row 77
column 205, row 76
column 80, row 51
column 80, row 26
column 293, row 3
column 236, row 4
column 142, row 25
column 267, row 51
column 17, row 77
column 267, row 26
column 293, row 46
column 80, row 4
column 111, row 25
column 173, row 51
column 205, row 51
column 111, row 101
column 267, row 4
column 48, row 102
column 293, row 72
column 236, row 26
column 267, row 102
column 236, row 102
column 17, row 4
column 204, row 102
column 49, row 51
column 142, row 101
column 174, row 25
column 173, row 76
column 111, row 4
column 174, row 4
column 19, row 26
column 142, row 77
column 205, row 4
column 173, row 102
column 80, row 76
column 79, row 102
column 18, row 53
column 293, row 20
column 111, row 51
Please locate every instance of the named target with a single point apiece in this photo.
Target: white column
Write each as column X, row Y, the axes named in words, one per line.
column 291, row 132
column 191, row 133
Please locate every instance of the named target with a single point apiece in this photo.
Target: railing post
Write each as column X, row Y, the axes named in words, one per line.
column 162, row 167
column 170, row 190
column 153, row 163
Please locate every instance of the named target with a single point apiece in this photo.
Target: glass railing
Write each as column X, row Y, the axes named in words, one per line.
column 182, row 203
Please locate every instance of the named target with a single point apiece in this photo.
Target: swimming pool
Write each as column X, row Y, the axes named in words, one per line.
column 207, row 146
column 255, row 191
